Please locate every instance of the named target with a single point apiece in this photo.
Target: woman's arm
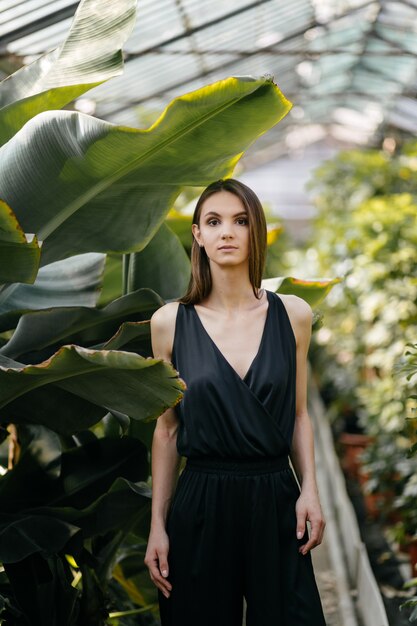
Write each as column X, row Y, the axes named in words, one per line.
column 302, row 450
column 165, row 459
column 165, row 465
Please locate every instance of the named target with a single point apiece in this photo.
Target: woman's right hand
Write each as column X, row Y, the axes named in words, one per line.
column 156, row 559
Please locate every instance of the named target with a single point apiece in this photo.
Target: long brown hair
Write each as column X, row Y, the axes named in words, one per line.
column 200, row 283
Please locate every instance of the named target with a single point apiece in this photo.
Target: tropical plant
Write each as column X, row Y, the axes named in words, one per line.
column 75, row 495
column 78, row 386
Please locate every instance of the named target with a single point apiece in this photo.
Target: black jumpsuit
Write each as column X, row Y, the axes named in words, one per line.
column 232, row 522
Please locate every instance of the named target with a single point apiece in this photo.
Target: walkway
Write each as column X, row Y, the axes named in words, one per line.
column 326, row 582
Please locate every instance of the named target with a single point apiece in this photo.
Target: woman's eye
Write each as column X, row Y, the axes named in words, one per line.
column 212, row 222
column 242, row 220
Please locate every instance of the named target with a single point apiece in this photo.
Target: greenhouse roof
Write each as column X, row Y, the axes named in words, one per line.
column 348, row 66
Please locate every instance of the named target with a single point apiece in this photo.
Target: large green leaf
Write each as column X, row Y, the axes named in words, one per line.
column 42, row 330
column 91, row 495
column 163, row 265
column 133, row 575
column 312, row 291
column 55, row 408
column 180, row 224
column 26, row 534
column 90, row 55
column 19, row 257
column 117, row 509
column 112, row 285
column 100, row 187
column 87, row 472
column 132, row 337
column 93, row 498
column 41, row 587
column 139, row 387
column 67, row 283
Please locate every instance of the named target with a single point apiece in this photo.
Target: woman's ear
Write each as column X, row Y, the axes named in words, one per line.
column 196, row 232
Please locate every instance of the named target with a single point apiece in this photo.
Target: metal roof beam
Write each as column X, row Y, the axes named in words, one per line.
column 222, row 18
column 197, row 29
column 33, row 26
column 299, row 33
column 277, row 51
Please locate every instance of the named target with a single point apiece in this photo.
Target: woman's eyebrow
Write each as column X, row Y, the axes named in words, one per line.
column 218, row 214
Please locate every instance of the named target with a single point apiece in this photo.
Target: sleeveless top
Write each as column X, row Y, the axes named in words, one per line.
column 223, row 415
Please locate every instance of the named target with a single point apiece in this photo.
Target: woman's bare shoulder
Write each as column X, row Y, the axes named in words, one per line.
column 297, row 308
column 165, row 316
column 163, row 329
column 300, row 315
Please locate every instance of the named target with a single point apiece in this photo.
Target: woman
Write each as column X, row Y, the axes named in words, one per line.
column 234, row 524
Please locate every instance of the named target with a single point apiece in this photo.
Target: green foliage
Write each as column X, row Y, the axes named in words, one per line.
column 58, row 77
column 366, row 231
column 163, row 265
column 19, row 258
column 114, row 184
column 71, row 282
column 77, row 383
column 411, row 603
column 373, row 245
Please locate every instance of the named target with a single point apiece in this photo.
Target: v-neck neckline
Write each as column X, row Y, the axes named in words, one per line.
column 261, row 343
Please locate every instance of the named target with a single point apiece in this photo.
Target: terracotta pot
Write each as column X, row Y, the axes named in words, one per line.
column 352, row 445
column 378, row 503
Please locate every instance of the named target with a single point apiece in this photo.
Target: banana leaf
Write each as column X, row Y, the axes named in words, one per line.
column 163, row 265
column 312, row 291
column 133, row 575
column 42, row 590
column 112, row 283
column 87, row 473
column 88, row 382
column 131, row 337
column 26, row 534
column 116, row 509
column 71, row 282
column 19, row 255
column 47, row 330
column 90, row 55
column 99, row 187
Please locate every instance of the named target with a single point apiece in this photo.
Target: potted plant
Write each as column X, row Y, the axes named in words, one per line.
column 383, row 473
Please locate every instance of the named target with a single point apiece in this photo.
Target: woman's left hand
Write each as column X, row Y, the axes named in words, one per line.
column 308, row 508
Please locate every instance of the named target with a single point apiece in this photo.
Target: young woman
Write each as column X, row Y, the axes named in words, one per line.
column 233, row 524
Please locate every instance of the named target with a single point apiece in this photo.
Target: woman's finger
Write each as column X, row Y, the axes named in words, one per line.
column 157, row 577
column 315, row 538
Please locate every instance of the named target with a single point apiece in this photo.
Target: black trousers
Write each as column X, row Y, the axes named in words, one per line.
column 232, row 531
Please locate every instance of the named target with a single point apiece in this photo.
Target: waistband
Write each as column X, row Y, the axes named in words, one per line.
column 237, row 466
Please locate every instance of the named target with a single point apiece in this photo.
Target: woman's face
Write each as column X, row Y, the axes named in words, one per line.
column 224, row 229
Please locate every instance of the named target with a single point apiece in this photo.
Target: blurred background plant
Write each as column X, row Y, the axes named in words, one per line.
column 366, row 231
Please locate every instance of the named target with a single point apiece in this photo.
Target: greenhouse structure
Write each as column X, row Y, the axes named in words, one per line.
column 115, row 116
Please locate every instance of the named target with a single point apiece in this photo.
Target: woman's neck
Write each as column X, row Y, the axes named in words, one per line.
column 231, row 289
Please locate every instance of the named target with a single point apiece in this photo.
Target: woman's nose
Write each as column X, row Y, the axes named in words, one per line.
column 227, row 231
